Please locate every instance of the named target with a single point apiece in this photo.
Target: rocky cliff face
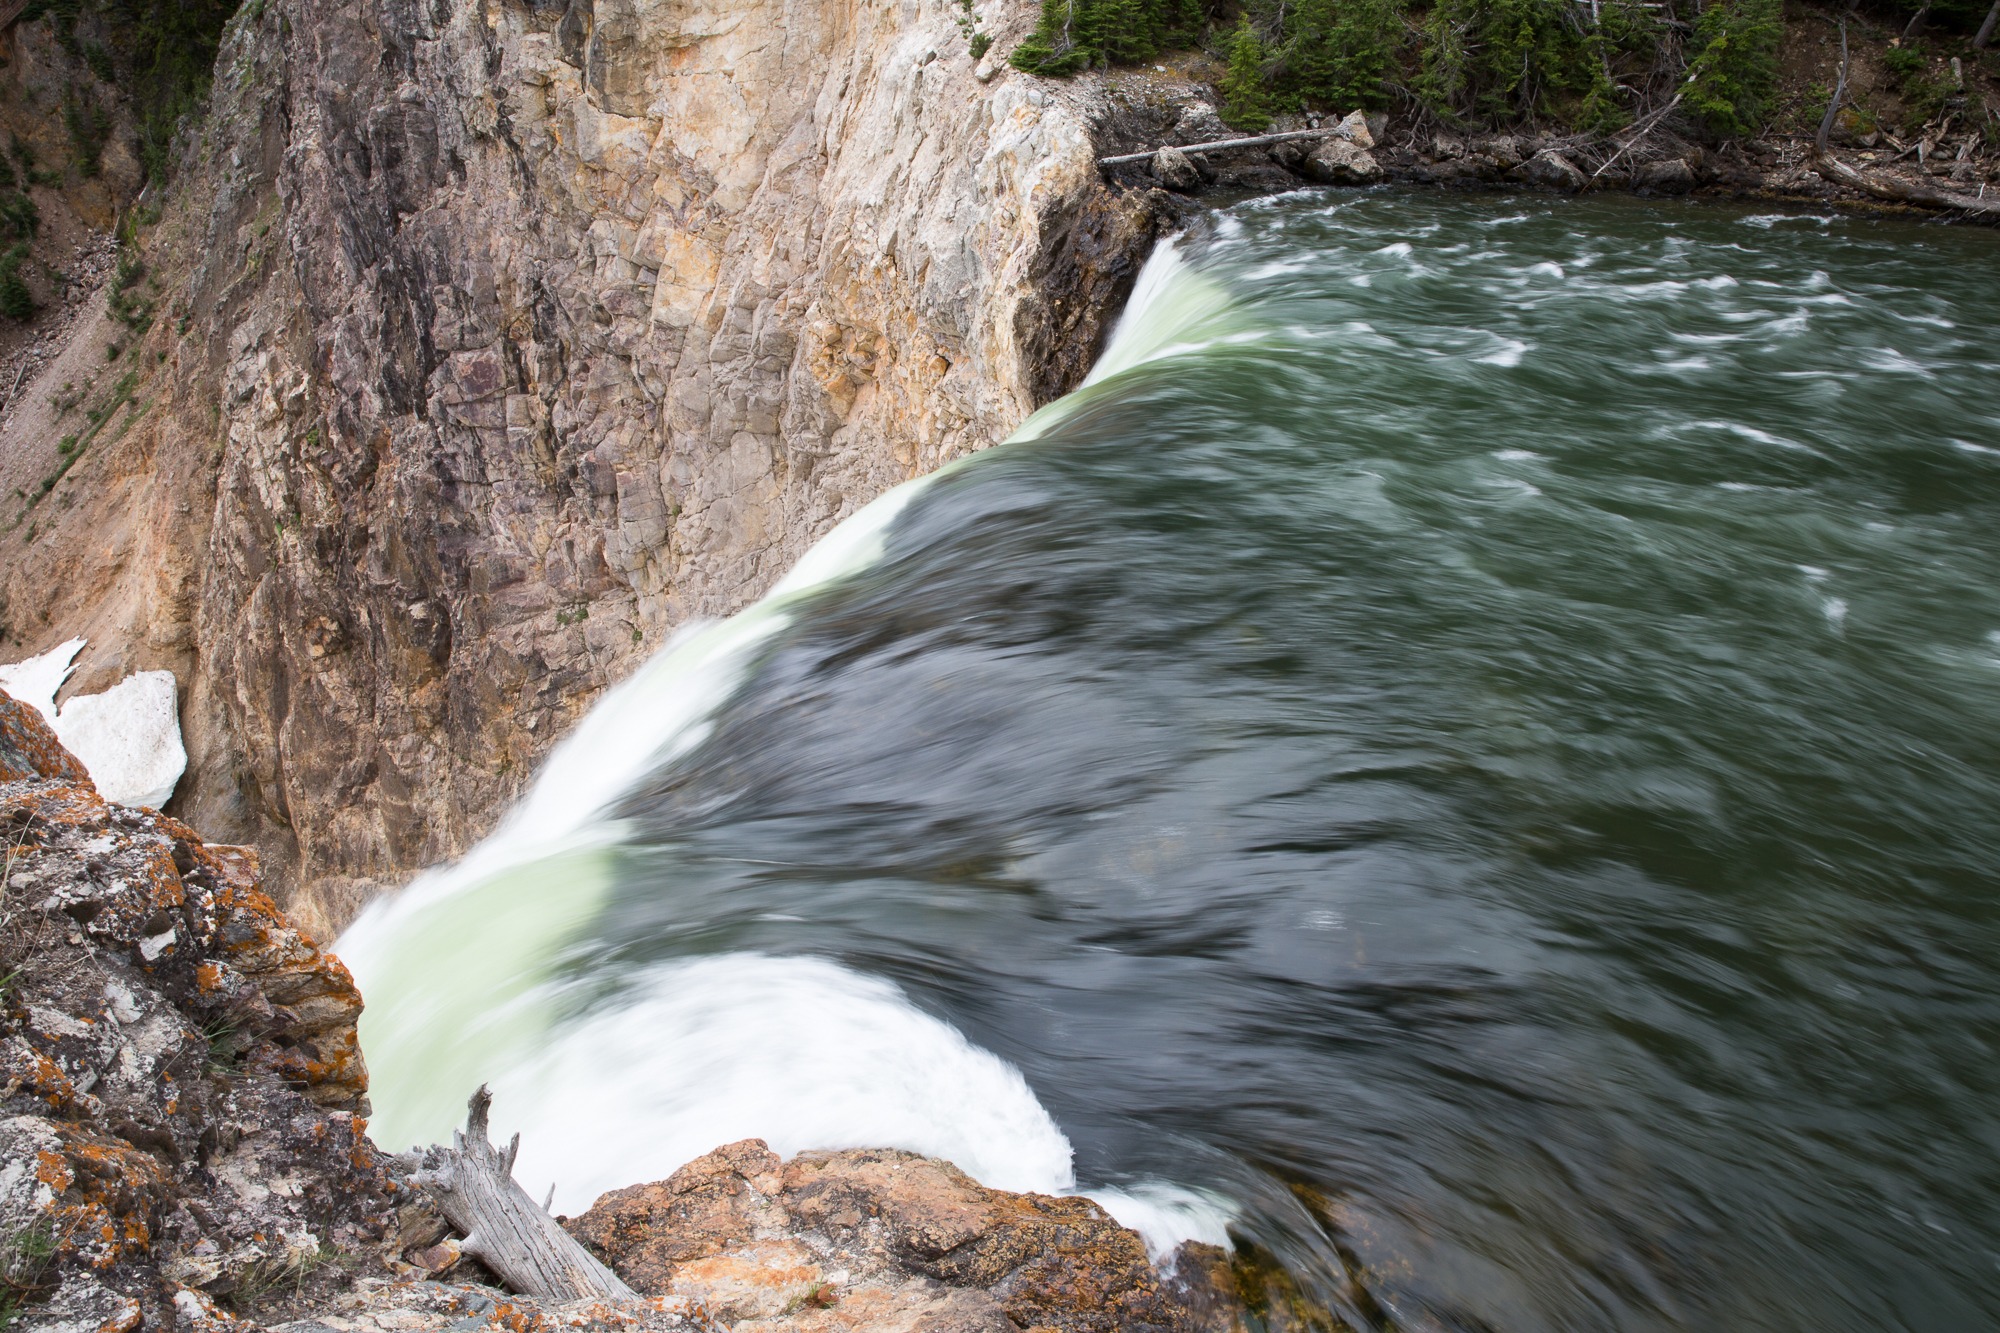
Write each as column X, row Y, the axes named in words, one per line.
column 513, row 335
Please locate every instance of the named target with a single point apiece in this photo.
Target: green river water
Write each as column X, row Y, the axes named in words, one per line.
column 1467, row 760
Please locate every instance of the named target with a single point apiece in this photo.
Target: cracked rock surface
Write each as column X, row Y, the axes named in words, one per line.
column 181, row 1095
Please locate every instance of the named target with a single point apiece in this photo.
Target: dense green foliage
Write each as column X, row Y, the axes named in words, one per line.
column 1246, row 100
column 1508, row 59
column 1735, row 67
column 1076, row 34
column 1587, row 64
column 160, row 53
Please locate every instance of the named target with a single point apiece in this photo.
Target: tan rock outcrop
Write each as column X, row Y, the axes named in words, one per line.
column 495, row 340
column 874, row 1238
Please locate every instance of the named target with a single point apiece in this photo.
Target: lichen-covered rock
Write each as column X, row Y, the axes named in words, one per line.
column 875, row 1238
column 180, row 1087
column 1343, row 162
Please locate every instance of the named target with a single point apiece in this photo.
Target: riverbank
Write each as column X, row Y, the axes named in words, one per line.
column 1917, row 133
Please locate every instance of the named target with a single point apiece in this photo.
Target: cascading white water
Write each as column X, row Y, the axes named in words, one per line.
column 460, row 969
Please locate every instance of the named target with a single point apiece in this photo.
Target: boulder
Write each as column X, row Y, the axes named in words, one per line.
column 1176, row 170
column 1668, row 176
column 1199, row 123
column 1552, row 171
column 1354, row 128
column 1504, row 149
column 884, row 1238
column 1342, row 162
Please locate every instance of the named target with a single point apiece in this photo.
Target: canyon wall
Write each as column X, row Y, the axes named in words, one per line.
column 492, row 340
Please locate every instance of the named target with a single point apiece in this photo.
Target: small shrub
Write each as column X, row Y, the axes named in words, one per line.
column 19, row 218
column 1924, row 95
column 99, row 61
column 16, row 301
column 89, row 127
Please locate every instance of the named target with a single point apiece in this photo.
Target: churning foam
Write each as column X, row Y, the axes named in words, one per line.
column 800, row 1052
column 468, row 972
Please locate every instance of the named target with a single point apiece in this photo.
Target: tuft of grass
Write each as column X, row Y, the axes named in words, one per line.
column 25, row 1256
column 225, row 1046
column 268, row 1278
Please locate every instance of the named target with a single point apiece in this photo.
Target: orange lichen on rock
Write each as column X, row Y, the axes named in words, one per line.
column 103, row 1194
column 29, row 749
column 863, row 1238
column 178, row 1063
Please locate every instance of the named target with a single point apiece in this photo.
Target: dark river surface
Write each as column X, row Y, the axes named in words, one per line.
column 1467, row 760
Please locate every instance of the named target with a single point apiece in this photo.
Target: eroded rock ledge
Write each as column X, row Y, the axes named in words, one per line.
column 182, row 1143
column 181, row 1093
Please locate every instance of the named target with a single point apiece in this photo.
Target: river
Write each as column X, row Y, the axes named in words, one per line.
column 1466, row 760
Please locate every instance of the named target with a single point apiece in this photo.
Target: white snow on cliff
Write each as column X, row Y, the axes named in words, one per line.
column 128, row 737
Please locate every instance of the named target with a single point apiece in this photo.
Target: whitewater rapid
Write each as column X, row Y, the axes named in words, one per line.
column 463, row 971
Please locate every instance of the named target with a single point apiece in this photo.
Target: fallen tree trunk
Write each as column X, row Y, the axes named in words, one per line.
column 1892, row 188
column 473, row 1185
column 1219, row 145
column 1900, row 191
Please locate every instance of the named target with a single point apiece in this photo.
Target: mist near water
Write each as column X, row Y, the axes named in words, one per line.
column 1463, row 759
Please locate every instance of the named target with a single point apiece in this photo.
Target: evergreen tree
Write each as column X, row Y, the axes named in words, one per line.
column 1735, row 66
column 1246, row 96
column 1339, row 52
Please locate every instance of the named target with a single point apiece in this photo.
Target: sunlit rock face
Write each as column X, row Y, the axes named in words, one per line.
column 500, row 339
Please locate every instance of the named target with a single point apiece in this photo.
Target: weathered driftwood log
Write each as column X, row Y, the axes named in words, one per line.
column 1888, row 187
column 473, row 1185
column 1902, row 192
column 1221, row 145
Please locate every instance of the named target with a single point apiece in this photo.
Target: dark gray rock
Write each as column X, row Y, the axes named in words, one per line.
column 1552, row 171
column 1667, row 176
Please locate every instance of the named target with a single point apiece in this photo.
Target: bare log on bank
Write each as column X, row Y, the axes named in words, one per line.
column 473, row 1185
column 1221, row 145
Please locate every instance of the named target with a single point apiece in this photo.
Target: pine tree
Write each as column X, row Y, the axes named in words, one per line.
column 1341, row 51
column 1246, row 96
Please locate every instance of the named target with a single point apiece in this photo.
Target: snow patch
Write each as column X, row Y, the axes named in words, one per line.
column 128, row 737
